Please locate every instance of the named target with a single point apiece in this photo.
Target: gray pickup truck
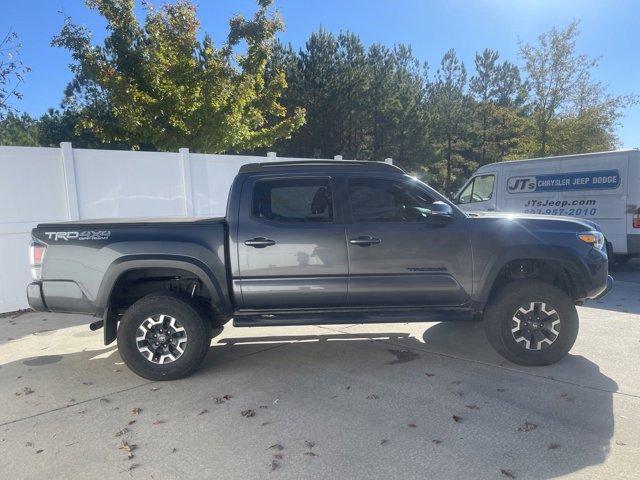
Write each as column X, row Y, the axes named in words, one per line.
column 320, row 243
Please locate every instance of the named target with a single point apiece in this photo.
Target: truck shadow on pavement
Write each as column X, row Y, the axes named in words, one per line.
column 540, row 422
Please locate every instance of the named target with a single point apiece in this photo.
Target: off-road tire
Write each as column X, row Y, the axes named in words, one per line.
column 504, row 306
column 191, row 318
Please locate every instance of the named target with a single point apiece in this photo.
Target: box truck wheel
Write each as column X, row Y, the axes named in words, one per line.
column 530, row 322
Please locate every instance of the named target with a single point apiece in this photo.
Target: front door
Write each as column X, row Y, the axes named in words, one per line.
column 398, row 254
column 291, row 245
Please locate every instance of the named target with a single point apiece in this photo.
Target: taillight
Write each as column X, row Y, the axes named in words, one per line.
column 636, row 219
column 36, row 255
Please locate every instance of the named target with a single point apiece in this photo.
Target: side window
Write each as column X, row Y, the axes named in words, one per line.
column 483, row 188
column 480, row 189
column 378, row 200
column 293, row 200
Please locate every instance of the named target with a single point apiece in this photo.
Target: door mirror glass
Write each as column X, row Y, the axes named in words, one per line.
column 441, row 210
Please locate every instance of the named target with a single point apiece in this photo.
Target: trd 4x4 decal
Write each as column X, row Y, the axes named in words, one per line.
column 84, row 235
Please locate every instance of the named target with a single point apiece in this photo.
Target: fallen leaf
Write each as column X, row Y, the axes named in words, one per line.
column 618, row 442
column 500, row 390
column 473, row 407
column 527, row 427
column 247, row 413
column 131, row 422
column 28, row 444
column 373, row 396
column 203, row 412
column 263, row 406
column 121, row 432
column 218, row 400
column 310, row 454
column 274, row 465
column 435, row 441
column 133, row 466
column 383, row 441
column 227, row 397
column 276, row 446
column 457, row 393
column 136, row 411
column 456, row 418
column 309, row 444
column 265, row 423
column 174, row 450
column 429, row 374
column 567, row 397
column 154, row 389
column 335, row 396
column 39, row 451
column 104, row 400
column 87, row 383
column 126, row 446
column 348, row 387
column 411, row 425
column 507, row 473
column 277, row 456
column 554, row 446
column 159, row 422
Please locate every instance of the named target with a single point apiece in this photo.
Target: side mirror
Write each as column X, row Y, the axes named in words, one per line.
column 441, row 210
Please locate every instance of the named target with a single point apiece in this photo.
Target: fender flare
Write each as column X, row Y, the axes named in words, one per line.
column 127, row 263
column 565, row 258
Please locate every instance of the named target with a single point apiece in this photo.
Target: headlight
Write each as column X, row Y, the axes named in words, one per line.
column 592, row 238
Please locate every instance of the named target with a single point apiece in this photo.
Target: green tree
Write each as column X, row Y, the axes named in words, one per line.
column 19, row 130
column 158, row 85
column 571, row 113
column 449, row 110
column 12, row 71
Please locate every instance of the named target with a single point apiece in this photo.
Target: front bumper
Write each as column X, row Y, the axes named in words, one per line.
column 607, row 288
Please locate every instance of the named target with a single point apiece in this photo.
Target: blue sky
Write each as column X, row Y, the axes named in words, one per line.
column 609, row 30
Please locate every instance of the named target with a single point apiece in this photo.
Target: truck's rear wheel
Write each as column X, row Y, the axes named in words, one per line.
column 163, row 337
column 531, row 323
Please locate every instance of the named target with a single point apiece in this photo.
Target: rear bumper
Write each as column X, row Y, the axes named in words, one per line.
column 35, row 297
column 633, row 244
column 59, row 296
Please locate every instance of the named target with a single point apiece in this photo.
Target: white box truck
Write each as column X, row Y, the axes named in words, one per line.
column 603, row 187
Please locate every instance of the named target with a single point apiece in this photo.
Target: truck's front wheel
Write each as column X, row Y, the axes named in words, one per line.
column 531, row 323
column 163, row 337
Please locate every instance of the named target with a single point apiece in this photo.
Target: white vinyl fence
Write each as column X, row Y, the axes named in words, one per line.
column 57, row 184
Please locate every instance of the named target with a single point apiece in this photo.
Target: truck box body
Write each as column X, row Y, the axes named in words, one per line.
column 602, row 187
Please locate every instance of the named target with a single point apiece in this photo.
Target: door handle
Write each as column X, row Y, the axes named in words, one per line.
column 365, row 241
column 259, row 242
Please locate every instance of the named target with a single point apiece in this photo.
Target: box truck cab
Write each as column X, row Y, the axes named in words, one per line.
column 603, row 187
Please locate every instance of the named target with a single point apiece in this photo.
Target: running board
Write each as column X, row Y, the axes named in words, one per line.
column 342, row 318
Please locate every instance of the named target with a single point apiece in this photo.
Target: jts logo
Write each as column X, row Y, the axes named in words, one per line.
column 521, row 184
column 85, row 235
column 558, row 182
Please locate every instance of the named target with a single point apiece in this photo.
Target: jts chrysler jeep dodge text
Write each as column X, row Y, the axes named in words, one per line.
column 320, row 243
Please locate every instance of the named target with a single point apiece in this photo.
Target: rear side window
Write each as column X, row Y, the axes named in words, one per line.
column 293, row 200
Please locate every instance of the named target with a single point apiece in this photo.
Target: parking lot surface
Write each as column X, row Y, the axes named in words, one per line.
column 418, row 400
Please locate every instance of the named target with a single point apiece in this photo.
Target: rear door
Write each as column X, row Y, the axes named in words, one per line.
column 398, row 254
column 291, row 244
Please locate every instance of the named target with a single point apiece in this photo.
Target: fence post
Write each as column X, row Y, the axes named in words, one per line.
column 186, row 181
column 69, row 173
column 389, row 161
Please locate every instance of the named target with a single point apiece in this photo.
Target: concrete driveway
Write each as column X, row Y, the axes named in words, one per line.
column 375, row 401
